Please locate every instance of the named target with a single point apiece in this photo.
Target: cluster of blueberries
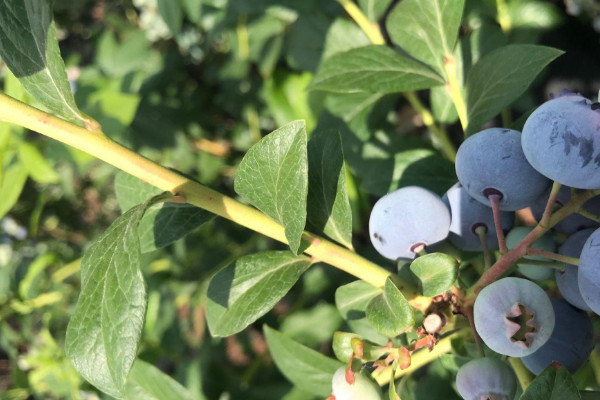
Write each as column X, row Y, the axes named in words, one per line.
column 501, row 171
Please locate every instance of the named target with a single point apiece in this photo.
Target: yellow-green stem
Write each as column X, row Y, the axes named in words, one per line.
column 455, row 92
column 595, row 363
column 503, row 16
column 439, row 134
column 523, row 375
column 370, row 29
column 105, row 149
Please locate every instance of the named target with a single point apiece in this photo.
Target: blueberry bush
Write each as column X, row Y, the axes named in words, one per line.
column 299, row 199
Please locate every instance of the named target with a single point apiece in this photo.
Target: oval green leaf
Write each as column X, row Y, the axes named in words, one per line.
column 29, row 47
column 389, row 312
column 273, row 177
column 246, row 290
column 307, row 369
column 435, row 273
column 373, row 69
column 552, row 384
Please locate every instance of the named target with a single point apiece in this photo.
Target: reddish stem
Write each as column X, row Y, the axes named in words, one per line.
column 495, row 201
column 468, row 312
column 508, row 259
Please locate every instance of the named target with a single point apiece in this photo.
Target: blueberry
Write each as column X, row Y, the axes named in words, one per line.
column 588, row 275
column 567, row 280
column 513, row 316
column 468, row 214
column 406, row 218
column 535, row 272
column 573, row 222
column 561, row 139
column 486, row 378
column 571, row 342
column 492, row 161
column 363, row 388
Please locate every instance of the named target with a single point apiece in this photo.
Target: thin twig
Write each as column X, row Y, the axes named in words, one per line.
column 481, row 231
column 550, row 204
column 495, row 201
column 553, row 256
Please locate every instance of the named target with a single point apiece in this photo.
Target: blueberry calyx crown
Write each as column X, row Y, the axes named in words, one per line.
column 487, row 192
column 522, row 324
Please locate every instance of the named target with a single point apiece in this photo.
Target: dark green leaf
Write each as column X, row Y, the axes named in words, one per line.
column 552, row 384
column 373, row 69
column 171, row 12
column 246, row 290
column 426, row 29
column 29, row 47
column 304, row 367
column 356, row 110
column 422, row 167
column 103, row 333
column 273, row 176
column 192, row 9
column 502, row 76
column 389, row 312
column 435, row 273
column 328, row 205
column 352, row 300
column 149, row 383
column 162, row 223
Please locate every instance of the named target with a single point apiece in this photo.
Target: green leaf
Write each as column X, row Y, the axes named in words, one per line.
column 13, row 181
column 171, row 12
column 500, row 77
column 422, row 167
column 307, row 369
column 442, row 106
column 104, row 332
column 426, row 29
column 389, row 312
column 147, row 382
column 246, row 290
column 162, row 223
column 328, row 205
column 435, row 273
column 552, row 384
column 374, row 9
column 29, row 47
column 192, row 9
column 533, row 15
column 343, row 35
column 352, row 300
column 342, row 345
column 273, row 176
column 373, row 69
column 36, row 164
column 359, row 111
column 312, row 326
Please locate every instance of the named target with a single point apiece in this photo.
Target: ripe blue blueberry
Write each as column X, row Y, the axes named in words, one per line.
column 406, row 218
column 561, row 140
column 571, row 342
column 363, row 388
column 573, row 222
column 513, row 316
column 535, row 272
column 469, row 214
column 567, row 280
column 492, row 162
column 486, row 378
column 588, row 275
